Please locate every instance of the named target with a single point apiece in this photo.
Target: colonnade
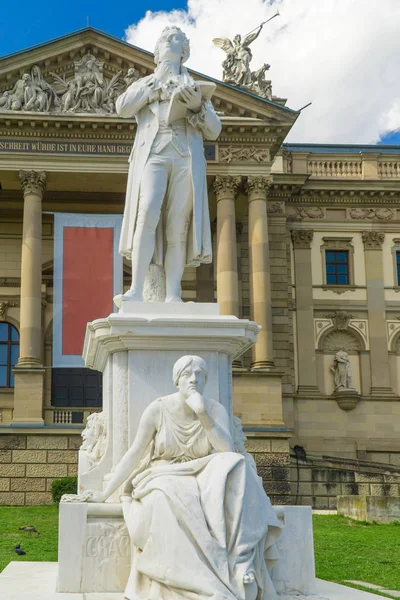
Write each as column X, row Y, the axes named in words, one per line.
column 28, row 396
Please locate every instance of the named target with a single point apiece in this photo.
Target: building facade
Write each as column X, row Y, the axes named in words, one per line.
column 306, row 242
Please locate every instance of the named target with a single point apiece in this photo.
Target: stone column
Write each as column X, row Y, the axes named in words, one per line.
column 260, row 284
column 226, row 188
column 28, row 373
column 379, row 356
column 307, row 372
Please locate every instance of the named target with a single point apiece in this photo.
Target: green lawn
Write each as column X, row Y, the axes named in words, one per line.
column 347, row 549
column 41, row 547
column 344, row 549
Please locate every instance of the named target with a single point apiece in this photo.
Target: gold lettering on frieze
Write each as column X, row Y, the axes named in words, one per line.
column 50, row 147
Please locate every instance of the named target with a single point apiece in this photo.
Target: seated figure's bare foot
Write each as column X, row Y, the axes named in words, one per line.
column 250, row 586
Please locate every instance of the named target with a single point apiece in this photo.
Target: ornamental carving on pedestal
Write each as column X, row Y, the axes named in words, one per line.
column 243, row 153
column 373, row 240
column 33, row 182
column 95, row 438
column 87, row 91
column 227, row 183
column 302, row 238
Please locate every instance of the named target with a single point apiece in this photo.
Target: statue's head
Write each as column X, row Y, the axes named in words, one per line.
column 26, row 77
column 172, row 45
column 190, row 375
column 237, row 39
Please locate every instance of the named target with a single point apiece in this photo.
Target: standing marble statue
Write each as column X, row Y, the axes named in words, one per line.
column 341, row 371
column 200, row 523
column 166, row 219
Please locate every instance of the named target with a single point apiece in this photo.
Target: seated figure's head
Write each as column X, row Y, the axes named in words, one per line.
column 172, row 45
column 190, row 374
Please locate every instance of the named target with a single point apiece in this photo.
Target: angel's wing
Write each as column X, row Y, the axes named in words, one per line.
column 225, row 44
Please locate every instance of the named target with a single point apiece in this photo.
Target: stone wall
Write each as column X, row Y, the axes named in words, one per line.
column 29, row 464
column 273, row 465
column 320, row 480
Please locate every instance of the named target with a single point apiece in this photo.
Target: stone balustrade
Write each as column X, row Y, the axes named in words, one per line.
column 335, row 168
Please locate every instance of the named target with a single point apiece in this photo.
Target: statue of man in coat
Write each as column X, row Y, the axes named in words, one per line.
column 166, row 218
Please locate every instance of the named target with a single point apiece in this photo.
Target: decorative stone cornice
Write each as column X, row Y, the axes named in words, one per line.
column 302, row 238
column 226, row 186
column 33, row 182
column 373, row 240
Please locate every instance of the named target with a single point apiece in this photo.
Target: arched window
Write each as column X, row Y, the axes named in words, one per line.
column 9, row 352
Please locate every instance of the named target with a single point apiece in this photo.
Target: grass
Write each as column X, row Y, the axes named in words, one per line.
column 344, row 549
column 347, row 549
column 41, row 547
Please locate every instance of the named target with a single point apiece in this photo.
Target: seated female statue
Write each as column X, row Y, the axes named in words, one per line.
column 201, row 525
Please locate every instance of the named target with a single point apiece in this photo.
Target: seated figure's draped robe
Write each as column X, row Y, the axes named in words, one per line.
column 199, row 520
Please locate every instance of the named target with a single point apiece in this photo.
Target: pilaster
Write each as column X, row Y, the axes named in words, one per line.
column 379, row 357
column 306, row 361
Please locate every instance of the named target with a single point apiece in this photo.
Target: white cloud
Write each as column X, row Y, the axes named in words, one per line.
column 341, row 55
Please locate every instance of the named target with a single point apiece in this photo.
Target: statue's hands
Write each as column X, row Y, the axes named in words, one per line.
column 196, row 403
column 191, row 97
column 97, row 497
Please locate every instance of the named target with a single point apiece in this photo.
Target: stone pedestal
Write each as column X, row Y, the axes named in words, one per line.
column 136, row 349
column 94, row 550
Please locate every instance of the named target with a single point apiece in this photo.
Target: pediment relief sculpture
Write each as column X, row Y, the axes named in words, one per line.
column 87, row 91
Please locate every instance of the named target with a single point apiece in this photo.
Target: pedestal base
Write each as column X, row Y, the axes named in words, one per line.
column 28, row 395
column 94, row 549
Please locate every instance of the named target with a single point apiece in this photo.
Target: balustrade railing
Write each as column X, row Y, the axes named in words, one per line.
column 389, row 169
column 335, row 168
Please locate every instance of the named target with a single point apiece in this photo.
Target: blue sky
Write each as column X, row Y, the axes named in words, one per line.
column 345, row 61
column 27, row 23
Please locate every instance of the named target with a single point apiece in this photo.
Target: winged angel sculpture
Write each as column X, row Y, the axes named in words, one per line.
column 236, row 66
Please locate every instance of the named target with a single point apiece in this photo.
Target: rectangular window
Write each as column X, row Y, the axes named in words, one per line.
column 337, row 267
column 398, row 267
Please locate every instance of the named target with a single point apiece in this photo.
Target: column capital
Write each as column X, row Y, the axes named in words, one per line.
column 302, row 238
column 33, row 182
column 258, row 186
column 226, row 184
column 373, row 240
